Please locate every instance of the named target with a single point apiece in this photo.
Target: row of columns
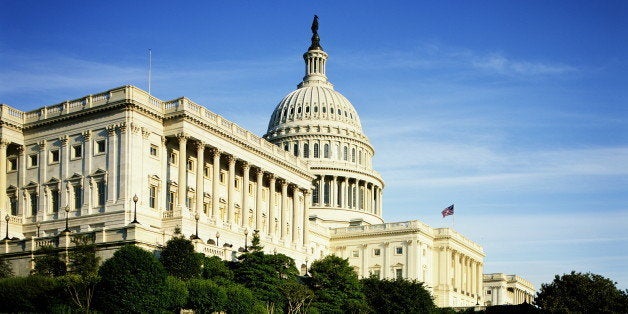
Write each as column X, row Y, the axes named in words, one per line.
column 281, row 225
column 345, row 192
column 467, row 274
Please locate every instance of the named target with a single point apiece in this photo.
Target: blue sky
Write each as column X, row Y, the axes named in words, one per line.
column 516, row 111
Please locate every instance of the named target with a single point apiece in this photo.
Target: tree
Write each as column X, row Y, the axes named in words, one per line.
column 583, row 293
column 241, row 299
column 132, row 281
column 216, row 269
column 81, row 280
column 48, row 262
column 336, row 286
column 6, row 270
column 205, row 296
column 397, row 296
column 180, row 259
column 298, row 297
column 176, row 294
column 31, row 294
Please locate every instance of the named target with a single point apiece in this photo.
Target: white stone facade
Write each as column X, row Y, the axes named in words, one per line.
column 308, row 186
column 502, row 289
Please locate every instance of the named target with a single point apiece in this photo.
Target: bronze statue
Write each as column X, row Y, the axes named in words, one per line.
column 315, row 39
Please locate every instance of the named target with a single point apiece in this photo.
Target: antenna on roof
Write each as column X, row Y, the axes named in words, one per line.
column 150, row 65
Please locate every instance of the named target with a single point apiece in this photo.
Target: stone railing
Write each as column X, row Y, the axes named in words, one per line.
column 394, row 226
column 451, row 233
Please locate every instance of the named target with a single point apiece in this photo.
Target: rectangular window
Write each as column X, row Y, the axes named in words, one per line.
column 399, row 250
column 190, row 165
column 207, row 171
column 206, row 208
column 355, row 253
column 54, row 201
column 77, row 151
column 236, row 184
column 13, row 202
column 251, row 188
column 377, row 252
column 54, row 156
column 33, row 160
column 223, row 177
column 33, row 197
column 12, row 166
column 100, row 146
column 152, row 197
column 376, row 273
column 399, row 273
column 172, row 158
column 152, row 150
column 101, row 193
column 171, row 198
column 78, row 200
column 264, row 194
column 306, row 150
column 488, row 291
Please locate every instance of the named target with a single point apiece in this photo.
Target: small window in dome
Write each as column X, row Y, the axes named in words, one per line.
column 324, row 109
column 339, row 112
column 292, row 111
column 350, row 115
column 331, row 110
column 299, row 110
column 315, row 109
column 307, row 109
column 345, row 113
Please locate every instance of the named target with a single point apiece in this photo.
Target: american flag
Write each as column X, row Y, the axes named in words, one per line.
column 448, row 211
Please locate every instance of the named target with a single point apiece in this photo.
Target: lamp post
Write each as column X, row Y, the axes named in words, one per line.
column 306, row 260
column 38, row 227
column 67, row 215
column 135, row 199
column 246, row 240
column 7, row 220
column 217, row 237
column 196, row 217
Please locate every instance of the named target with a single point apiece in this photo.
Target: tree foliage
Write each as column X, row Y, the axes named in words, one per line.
column 133, row 281
column 48, row 263
column 336, row 286
column 179, row 258
column 175, row 294
column 297, row 295
column 205, row 296
column 82, row 277
column 216, row 269
column 31, row 294
column 397, row 296
column 6, row 270
column 241, row 299
column 582, row 293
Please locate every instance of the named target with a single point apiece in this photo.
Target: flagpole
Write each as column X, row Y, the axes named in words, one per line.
column 150, row 65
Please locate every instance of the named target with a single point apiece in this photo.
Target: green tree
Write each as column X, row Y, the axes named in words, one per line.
column 81, row 280
column 176, row 294
column 298, row 297
column 217, row 270
column 31, row 294
column 336, row 286
column 205, row 296
column 48, row 263
column 6, row 270
column 180, row 259
column 582, row 293
column 241, row 299
column 132, row 281
column 397, row 296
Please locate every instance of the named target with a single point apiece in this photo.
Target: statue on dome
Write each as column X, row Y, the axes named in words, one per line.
column 315, row 39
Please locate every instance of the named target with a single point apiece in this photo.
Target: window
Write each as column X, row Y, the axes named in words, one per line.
column 12, row 164
column 236, row 184
column 286, row 146
column 54, row 201
column 488, row 291
column 190, row 165
column 172, row 157
column 399, row 250
column 206, row 208
column 353, row 155
column 345, row 153
column 32, row 160
column 77, row 151
column 100, row 146
column 326, row 186
column 223, row 177
column 152, row 197
column 326, row 151
column 360, row 158
column 264, row 194
column 153, row 150
column 207, row 170
column 296, row 149
column 355, row 253
column 306, row 150
column 171, row 199
column 33, row 200
column 399, row 273
column 101, row 193
column 77, row 197
column 377, row 252
column 13, row 202
column 376, row 273
column 250, row 188
column 315, row 150
column 54, row 156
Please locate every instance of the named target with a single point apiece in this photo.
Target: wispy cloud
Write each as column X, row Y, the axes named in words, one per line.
column 502, row 65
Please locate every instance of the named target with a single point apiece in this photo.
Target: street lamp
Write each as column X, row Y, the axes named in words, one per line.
column 38, row 226
column 217, row 237
column 7, row 219
column 135, row 199
column 196, row 217
column 67, row 215
column 246, row 235
column 306, row 260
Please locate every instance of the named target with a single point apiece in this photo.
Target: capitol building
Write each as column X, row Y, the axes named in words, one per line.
column 122, row 166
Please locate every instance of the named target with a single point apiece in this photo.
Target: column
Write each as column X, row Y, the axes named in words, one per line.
column 165, row 188
column 480, row 280
column 386, row 263
column 231, row 189
column 123, row 165
column 3, row 173
column 411, row 259
column 345, row 192
column 182, row 180
column 245, row 194
column 259, row 173
column 283, row 221
column 381, row 201
column 321, row 200
column 215, row 181
column 20, row 180
column 295, row 214
column 200, row 166
column 454, row 256
column 41, row 195
column 271, row 205
column 306, row 217
column 111, row 164
column 333, row 192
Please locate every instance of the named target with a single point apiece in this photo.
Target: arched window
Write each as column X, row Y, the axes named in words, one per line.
column 326, row 151
column 286, row 146
column 299, row 110
column 315, row 109
column 353, row 154
column 324, row 109
column 331, row 110
column 339, row 112
column 344, row 153
column 307, row 109
column 315, row 193
column 296, row 149
column 315, row 150
column 306, row 150
column 326, row 195
column 360, row 158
